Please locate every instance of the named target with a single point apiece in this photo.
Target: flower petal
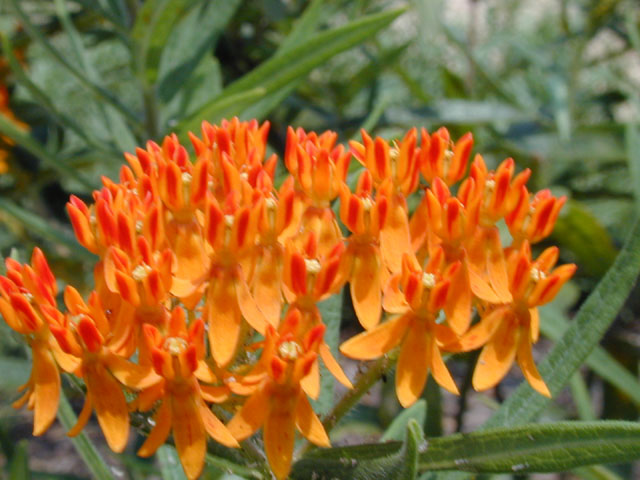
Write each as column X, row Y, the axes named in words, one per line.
column 216, row 428
column 46, row 389
column 279, row 434
column 308, row 423
column 159, row 433
column 376, row 342
column 413, row 364
column 333, row 366
column 188, row 434
column 528, row 366
column 250, row 417
column 496, row 357
column 365, row 285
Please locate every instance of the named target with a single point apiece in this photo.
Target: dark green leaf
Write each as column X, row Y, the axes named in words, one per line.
column 19, row 462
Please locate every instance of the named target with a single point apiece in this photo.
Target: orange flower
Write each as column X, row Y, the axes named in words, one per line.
column 440, row 157
column 534, row 219
column 417, row 295
column 177, row 357
column 84, row 332
column 395, row 172
column 24, row 292
column 508, row 331
column 362, row 260
column 278, row 401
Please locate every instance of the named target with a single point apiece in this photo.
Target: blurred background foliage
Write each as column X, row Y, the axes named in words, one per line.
column 552, row 83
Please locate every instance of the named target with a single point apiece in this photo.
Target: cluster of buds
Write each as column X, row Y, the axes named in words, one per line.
column 209, row 276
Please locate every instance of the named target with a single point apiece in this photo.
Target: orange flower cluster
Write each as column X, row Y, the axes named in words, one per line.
column 198, row 254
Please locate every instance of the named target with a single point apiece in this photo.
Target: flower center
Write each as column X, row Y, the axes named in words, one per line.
column 428, row 280
column 289, row 350
column 175, row 345
column 141, row 272
column 537, row 275
column 313, row 265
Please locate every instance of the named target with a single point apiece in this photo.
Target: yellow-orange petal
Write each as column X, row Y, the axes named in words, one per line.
column 160, row 431
column 394, row 236
column 413, row 364
column 225, row 320
column 46, row 379
column 496, row 357
column 480, row 333
column 189, row 434
column 250, row 417
column 309, row 424
column 251, row 311
column 279, row 434
column 366, row 289
column 458, row 303
column 528, row 366
column 214, row 394
column 535, row 324
column 378, row 341
column 497, row 266
column 439, row 370
column 214, row 427
column 110, row 405
column 267, row 282
column 130, row 374
column 311, row 382
column 333, row 366
column 83, row 417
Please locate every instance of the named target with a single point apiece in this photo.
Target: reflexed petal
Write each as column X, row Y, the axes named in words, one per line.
column 394, row 236
column 535, row 324
column 83, row 418
column 439, row 369
column 279, row 435
column 225, row 320
column 250, row 309
column 332, row 365
column 110, row 404
column 311, row 383
column 496, row 357
column 480, row 333
column 378, row 341
column 528, row 366
column 250, row 417
column 189, row 434
column 216, row 428
column 160, row 431
column 266, row 285
column 308, row 423
column 413, row 364
column 366, row 289
column 46, row 379
column 130, row 374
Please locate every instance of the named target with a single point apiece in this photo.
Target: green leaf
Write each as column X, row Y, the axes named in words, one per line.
column 279, row 71
column 153, row 26
column 92, row 459
column 632, row 137
column 392, row 460
column 25, row 140
column 553, row 324
column 535, row 448
column 170, row 466
column 45, row 229
column 19, row 462
column 99, row 91
column 532, row 448
column 192, row 39
column 581, row 397
column 584, row 333
column 397, row 429
column 303, row 29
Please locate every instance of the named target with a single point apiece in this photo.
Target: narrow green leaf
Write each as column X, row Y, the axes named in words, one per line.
column 92, row 459
column 279, row 71
column 44, row 101
column 397, row 429
column 596, row 472
column 25, row 140
column 581, row 397
column 552, row 447
column 632, row 138
column 230, row 466
column 46, row 230
column 411, row 450
column 191, row 39
column 524, row 449
column 96, row 89
column 152, row 29
column 553, row 324
column 584, row 333
column 112, row 120
column 19, row 462
column 170, row 466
